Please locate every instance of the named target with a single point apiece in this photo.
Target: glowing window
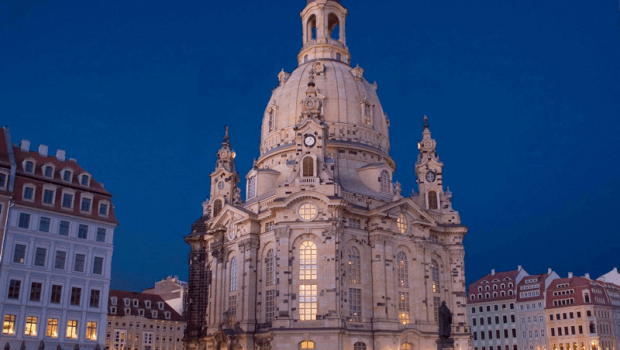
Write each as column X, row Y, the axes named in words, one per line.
column 306, row 345
column 406, row 346
column 355, row 274
column 52, row 328
column 269, row 268
column 307, row 302
column 435, row 276
column 91, row 331
column 9, row 324
column 402, row 223
column 432, row 200
column 307, row 211
column 308, row 167
column 31, row 326
column 355, row 304
column 385, row 182
column 403, row 271
column 403, row 307
column 233, row 274
column 72, row 329
column 307, row 261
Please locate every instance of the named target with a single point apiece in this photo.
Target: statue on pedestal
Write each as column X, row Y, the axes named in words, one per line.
column 445, row 321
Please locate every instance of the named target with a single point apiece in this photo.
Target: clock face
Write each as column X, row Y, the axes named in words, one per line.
column 310, row 104
column 430, row 176
column 309, row 141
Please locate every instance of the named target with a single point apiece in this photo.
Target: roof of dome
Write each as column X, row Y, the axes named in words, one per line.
column 344, row 91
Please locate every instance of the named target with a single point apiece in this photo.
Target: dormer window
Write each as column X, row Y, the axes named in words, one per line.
column 251, row 187
column 85, row 205
column 126, row 301
column 28, row 193
column 127, row 311
column 141, row 312
column 160, row 305
column 29, row 166
column 113, row 300
column 135, row 302
column 84, row 180
column 147, row 304
column 113, row 310
column 3, row 181
column 103, row 208
column 385, row 181
column 154, row 313
column 48, row 171
column 167, row 315
column 67, row 175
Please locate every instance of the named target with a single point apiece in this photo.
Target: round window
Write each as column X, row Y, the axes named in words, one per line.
column 402, row 223
column 220, row 185
column 307, row 211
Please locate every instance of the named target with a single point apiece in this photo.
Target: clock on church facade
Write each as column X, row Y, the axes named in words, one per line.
column 325, row 252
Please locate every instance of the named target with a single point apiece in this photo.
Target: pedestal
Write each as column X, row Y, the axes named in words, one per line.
column 445, row 344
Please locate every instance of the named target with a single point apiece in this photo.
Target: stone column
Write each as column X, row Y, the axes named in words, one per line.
column 249, row 247
column 283, row 277
column 379, row 287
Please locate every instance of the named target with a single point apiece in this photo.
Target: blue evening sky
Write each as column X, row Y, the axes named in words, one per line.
column 523, row 99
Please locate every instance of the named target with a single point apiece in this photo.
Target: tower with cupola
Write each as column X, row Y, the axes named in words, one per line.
column 325, row 251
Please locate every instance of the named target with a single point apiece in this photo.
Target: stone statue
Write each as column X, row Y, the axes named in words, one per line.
column 445, row 321
column 237, row 196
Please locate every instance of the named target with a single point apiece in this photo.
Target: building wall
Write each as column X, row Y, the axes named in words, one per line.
column 132, row 333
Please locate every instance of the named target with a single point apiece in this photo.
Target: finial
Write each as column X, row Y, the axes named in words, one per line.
column 226, row 137
column 254, row 163
column 425, row 122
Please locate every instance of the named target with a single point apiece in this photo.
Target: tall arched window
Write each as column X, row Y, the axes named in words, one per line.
column 233, row 274
column 386, row 184
column 270, row 268
column 355, row 274
column 251, row 187
column 333, row 26
column 432, row 200
column 359, row 346
column 311, row 28
column 272, row 120
column 435, row 275
column 307, row 167
column 406, row 346
column 401, row 222
column 306, row 345
column 403, row 270
column 217, row 207
column 307, row 261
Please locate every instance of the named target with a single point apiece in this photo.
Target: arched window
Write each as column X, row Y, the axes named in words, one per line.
column 338, row 57
column 587, row 298
column 480, row 289
column 384, row 179
column 308, row 167
column 311, row 28
column 272, row 120
column 307, row 261
column 510, row 285
column 333, row 26
column 233, row 274
column 217, row 207
column 402, row 223
column 495, row 287
column 479, row 295
column 487, row 288
column 306, row 345
column 251, row 187
column 403, row 270
column 487, row 295
column 510, row 292
column 359, row 346
column 503, row 286
column 472, row 297
column 270, row 268
column 406, row 346
column 435, row 275
column 355, row 274
column 494, row 294
column 503, row 294
column 432, row 200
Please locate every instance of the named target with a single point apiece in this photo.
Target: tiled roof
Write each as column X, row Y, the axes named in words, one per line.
column 494, row 283
column 528, row 281
column 142, row 299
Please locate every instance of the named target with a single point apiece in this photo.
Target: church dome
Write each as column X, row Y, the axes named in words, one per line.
column 350, row 106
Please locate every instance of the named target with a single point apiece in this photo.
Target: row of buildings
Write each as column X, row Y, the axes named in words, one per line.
column 514, row 310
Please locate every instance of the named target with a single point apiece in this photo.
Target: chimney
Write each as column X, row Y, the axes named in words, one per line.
column 519, row 268
column 549, row 271
column 60, row 154
column 73, row 160
column 615, row 269
column 570, row 275
column 587, row 275
column 43, row 150
column 24, row 145
column 493, row 272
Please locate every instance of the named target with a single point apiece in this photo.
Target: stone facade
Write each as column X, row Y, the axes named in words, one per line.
column 325, row 251
column 531, row 305
column 57, row 251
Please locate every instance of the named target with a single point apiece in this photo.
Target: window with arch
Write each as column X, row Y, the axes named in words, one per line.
column 270, row 270
column 355, row 273
column 307, row 261
column 29, row 166
column 401, row 222
column 333, row 26
column 48, row 171
column 494, row 294
column 251, row 187
column 406, row 346
column 272, row 119
column 479, row 289
column 487, row 288
column 67, row 175
column 306, row 345
column 432, row 200
column 435, row 275
column 487, row 295
column 503, row 286
column 472, row 297
column 510, row 285
column 233, row 274
column 311, row 28
column 403, row 270
column 503, row 294
column 510, row 292
column 386, row 184
column 495, row 287
column 217, row 207
column 338, row 57
column 359, row 346
column 479, row 295
column 307, row 165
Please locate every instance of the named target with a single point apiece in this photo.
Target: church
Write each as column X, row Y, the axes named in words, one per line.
column 325, row 252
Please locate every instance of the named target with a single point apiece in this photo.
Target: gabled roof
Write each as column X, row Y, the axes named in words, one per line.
column 141, row 298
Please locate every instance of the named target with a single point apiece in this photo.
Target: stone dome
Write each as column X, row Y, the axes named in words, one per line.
column 350, row 106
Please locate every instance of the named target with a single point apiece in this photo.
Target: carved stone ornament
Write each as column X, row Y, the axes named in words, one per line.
column 283, row 77
column 237, row 196
column 333, row 230
column 283, row 232
column 318, row 68
column 248, row 245
column 358, row 73
column 378, row 238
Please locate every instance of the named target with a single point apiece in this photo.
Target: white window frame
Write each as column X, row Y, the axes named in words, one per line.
column 62, row 174
column 71, row 192
column 80, row 177
column 33, row 187
column 107, row 212
column 6, row 179
column 34, row 165
column 51, row 188
column 53, row 170
column 92, row 202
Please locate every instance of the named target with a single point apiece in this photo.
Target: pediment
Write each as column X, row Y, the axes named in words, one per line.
column 231, row 212
column 408, row 205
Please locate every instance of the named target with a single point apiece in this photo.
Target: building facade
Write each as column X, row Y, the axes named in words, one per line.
column 140, row 321
column 531, row 305
column 172, row 290
column 56, row 251
column 325, row 251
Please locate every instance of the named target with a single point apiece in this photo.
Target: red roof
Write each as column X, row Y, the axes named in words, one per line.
column 574, row 291
column 493, row 287
column 525, row 286
column 141, row 299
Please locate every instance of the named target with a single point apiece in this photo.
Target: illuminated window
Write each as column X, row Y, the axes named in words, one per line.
column 307, row 261
column 9, row 324
column 435, row 276
column 72, row 329
column 31, row 326
column 355, row 304
column 52, row 328
column 386, row 184
column 403, row 307
column 233, row 274
column 217, row 207
column 406, row 346
column 307, row 302
column 403, row 270
column 270, row 268
column 307, row 211
column 359, row 346
column 306, row 345
column 402, row 223
column 308, row 167
column 432, row 200
column 355, row 274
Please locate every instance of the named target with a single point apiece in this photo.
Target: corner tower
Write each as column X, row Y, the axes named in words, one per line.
column 325, row 251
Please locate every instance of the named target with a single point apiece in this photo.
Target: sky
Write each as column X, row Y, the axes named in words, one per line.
column 523, row 98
